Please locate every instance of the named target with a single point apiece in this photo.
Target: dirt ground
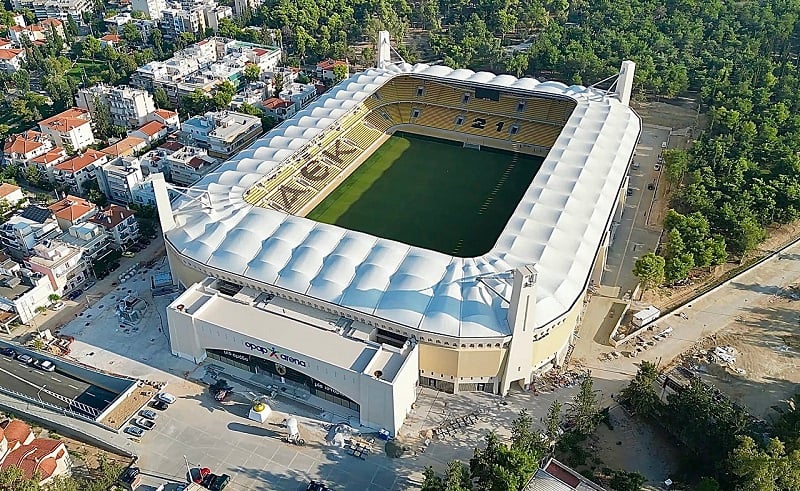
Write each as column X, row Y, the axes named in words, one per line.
column 128, row 408
column 766, row 345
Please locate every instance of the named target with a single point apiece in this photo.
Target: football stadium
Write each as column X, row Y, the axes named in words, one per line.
column 414, row 226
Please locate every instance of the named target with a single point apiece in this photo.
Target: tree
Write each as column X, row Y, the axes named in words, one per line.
column 627, row 481
column 157, row 40
column 160, row 98
column 523, row 438
column 640, row 394
column 54, row 297
column 769, row 469
column 131, row 34
column 197, row 102
column 676, row 163
column 101, row 117
column 431, row 482
column 583, row 411
column 12, row 478
column 553, row 422
column 90, row 47
column 252, row 72
column 498, row 467
column 277, row 82
column 649, row 269
column 787, row 425
column 223, row 95
column 339, row 73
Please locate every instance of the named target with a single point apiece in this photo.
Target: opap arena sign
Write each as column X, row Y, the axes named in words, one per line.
column 272, row 352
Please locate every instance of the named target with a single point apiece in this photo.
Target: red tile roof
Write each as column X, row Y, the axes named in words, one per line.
column 111, row 38
column 152, row 128
column 51, row 21
column 165, row 114
column 71, row 208
column 4, row 42
column 111, row 216
column 50, row 156
column 123, row 146
column 16, row 431
column 23, row 143
column 81, row 161
column 329, row 64
column 38, row 456
column 172, row 146
column 9, row 54
column 276, row 102
column 6, row 189
column 68, row 120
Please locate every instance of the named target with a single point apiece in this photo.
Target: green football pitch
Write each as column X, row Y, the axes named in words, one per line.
column 431, row 193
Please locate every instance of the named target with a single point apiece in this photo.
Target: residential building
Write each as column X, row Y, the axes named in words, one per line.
column 115, row 22
column 46, row 458
column 58, row 9
column 71, row 129
column 74, row 173
column 126, row 147
column 31, row 225
column 21, row 292
column 12, row 195
column 21, row 148
column 72, row 211
column 152, row 8
column 46, row 163
column 189, row 164
column 215, row 14
column 151, row 132
column 325, row 68
column 242, row 6
column 119, row 223
column 175, row 21
column 155, row 160
column 203, row 66
column 300, row 94
column 63, row 264
column 36, row 32
column 222, row 133
column 117, row 178
column 279, row 108
column 129, row 107
column 143, row 194
column 110, row 41
column 89, row 237
column 169, row 119
column 11, row 59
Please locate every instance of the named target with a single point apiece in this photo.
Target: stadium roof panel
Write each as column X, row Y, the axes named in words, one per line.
column 558, row 226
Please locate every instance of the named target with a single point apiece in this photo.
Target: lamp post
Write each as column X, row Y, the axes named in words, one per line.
column 39, row 394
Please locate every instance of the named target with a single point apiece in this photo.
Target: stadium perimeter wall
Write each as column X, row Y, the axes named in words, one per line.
column 507, row 145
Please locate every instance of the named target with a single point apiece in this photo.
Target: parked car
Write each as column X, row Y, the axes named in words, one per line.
column 128, row 254
column 160, row 405
column 215, row 482
column 657, row 167
column 651, row 186
column 25, row 358
column 89, row 284
column 148, row 414
column 629, row 192
column 130, row 475
column 636, row 166
column 663, row 144
column 317, row 486
column 57, row 306
column 46, row 365
column 75, row 294
column 135, row 431
column 9, row 352
column 145, row 424
column 166, row 397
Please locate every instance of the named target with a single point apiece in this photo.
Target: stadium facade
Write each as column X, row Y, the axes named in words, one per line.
column 361, row 321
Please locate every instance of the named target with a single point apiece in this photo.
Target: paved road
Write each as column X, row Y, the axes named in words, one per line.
column 36, row 383
column 633, row 237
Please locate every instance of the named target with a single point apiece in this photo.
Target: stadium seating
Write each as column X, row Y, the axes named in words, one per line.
column 362, row 135
column 543, row 135
column 376, row 119
column 438, row 117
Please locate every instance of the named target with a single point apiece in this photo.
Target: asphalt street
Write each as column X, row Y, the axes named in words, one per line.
column 35, row 383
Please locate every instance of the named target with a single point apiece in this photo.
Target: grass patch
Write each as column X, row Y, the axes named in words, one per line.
column 12, row 119
column 96, row 71
column 431, row 193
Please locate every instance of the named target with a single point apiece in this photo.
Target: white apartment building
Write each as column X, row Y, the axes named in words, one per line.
column 174, row 21
column 12, row 194
column 119, row 223
column 89, row 237
column 241, row 6
column 63, row 265
column 77, row 171
column 46, row 162
column 21, row 291
column 222, row 133
column 20, row 149
column 11, row 59
column 35, row 32
column 117, row 178
column 300, row 94
column 143, row 193
column 189, row 164
column 20, row 233
column 151, row 8
column 58, row 9
column 128, row 106
column 71, row 129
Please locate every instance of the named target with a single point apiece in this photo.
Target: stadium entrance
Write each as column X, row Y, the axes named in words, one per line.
column 282, row 373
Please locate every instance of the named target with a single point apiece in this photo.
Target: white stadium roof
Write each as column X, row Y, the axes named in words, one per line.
column 558, row 225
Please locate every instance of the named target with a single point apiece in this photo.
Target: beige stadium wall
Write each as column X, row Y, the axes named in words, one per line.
column 460, row 365
column 553, row 347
